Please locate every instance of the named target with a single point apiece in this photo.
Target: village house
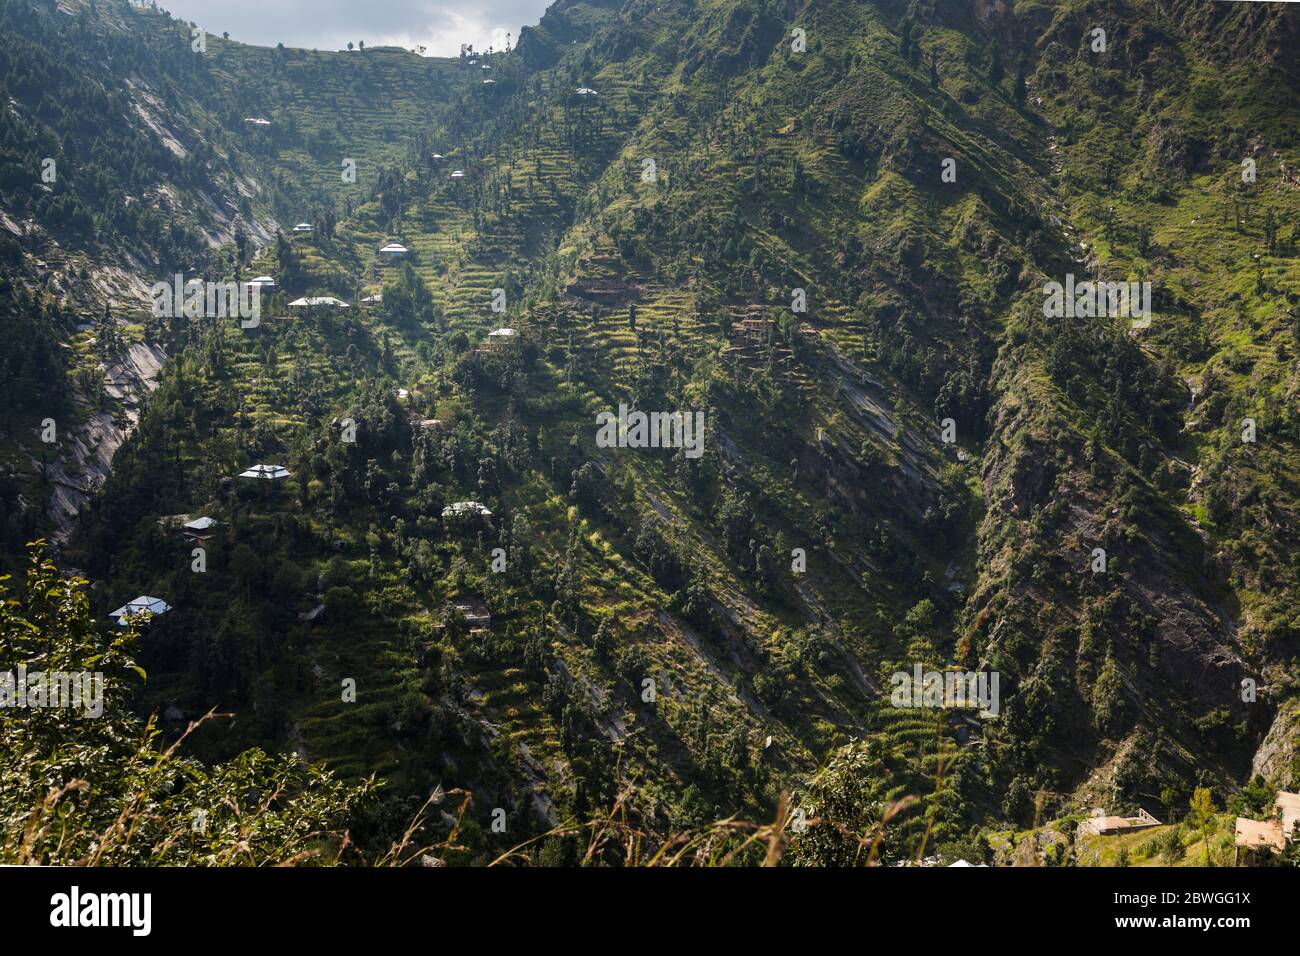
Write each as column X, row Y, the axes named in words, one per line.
column 1104, row 825
column 302, row 227
column 500, row 337
column 266, row 472
column 426, row 424
column 466, row 511
column 192, row 529
column 328, row 301
column 394, row 250
column 461, row 508
column 199, row 530
column 475, row 613
column 607, row 290
column 1254, row 841
column 144, row 604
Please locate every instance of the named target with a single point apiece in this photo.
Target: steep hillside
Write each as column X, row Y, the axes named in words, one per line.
column 128, row 156
column 827, row 228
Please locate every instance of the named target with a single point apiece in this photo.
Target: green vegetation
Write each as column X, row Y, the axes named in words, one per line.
column 653, row 644
column 103, row 789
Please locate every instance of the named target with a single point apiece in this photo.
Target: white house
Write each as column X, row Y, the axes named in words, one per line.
column 199, row 530
column 465, row 509
column 260, row 283
column 302, row 227
column 141, row 605
column 458, row 174
column 394, row 250
column 501, row 336
column 586, row 91
column 325, row 300
column 267, row 472
column 375, row 299
column 257, row 121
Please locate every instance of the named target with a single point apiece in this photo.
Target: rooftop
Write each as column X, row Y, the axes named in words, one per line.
column 265, row 471
column 459, row 508
column 472, row 609
column 144, row 604
column 328, row 300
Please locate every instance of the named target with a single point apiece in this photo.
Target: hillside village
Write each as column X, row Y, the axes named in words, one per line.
column 375, row 523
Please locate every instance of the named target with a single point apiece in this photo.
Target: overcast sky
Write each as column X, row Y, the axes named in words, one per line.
column 441, row 25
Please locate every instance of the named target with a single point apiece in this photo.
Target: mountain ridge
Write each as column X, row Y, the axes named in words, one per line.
column 774, row 172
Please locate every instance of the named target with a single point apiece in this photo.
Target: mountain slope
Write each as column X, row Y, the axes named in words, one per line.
column 690, row 206
column 109, row 187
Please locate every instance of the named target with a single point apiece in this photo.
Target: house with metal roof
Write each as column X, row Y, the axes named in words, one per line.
column 266, row 472
column 143, row 605
column 328, row 301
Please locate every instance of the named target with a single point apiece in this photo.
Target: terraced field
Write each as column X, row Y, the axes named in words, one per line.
column 903, row 463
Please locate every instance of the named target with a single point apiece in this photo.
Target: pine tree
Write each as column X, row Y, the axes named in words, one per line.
column 995, row 68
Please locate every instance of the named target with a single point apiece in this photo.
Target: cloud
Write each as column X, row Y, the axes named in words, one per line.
column 330, row 24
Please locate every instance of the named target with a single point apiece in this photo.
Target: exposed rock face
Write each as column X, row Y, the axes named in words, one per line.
column 1176, row 656
column 88, row 452
column 1279, row 755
